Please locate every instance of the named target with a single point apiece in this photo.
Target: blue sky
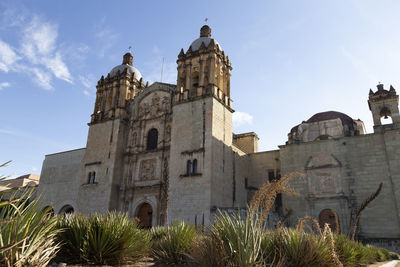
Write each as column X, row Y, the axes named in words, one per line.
column 291, row 59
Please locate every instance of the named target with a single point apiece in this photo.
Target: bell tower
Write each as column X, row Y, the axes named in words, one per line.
column 103, row 160
column 384, row 103
column 201, row 139
column 204, row 70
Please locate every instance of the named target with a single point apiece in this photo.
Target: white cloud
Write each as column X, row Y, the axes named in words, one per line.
column 7, row 56
column 241, row 118
column 42, row 78
column 4, row 85
column 39, row 46
column 86, row 93
column 88, row 81
column 39, row 55
column 58, row 67
column 39, row 38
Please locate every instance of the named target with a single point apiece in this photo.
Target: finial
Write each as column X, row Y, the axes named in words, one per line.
column 206, row 19
column 130, row 49
column 205, row 31
column 128, row 59
column 380, row 86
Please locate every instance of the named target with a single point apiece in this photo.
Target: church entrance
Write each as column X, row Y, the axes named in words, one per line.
column 145, row 215
column 331, row 218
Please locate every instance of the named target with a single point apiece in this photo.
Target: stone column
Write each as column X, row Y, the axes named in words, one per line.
column 188, row 76
column 211, row 75
column 201, row 78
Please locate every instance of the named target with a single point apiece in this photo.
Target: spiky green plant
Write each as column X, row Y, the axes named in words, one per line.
column 289, row 247
column 175, row 246
column 158, row 232
column 241, row 237
column 27, row 232
column 110, row 238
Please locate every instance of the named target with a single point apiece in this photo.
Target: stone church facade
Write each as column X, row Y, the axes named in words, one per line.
column 165, row 152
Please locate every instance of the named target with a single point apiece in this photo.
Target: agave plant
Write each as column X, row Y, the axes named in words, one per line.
column 110, row 238
column 241, row 237
column 174, row 247
column 27, row 232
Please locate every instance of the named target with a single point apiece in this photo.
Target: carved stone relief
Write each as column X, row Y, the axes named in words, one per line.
column 324, row 176
column 153, row 106
column 147, row 169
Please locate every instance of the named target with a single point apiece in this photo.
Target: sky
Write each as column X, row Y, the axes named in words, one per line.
column 290, row 59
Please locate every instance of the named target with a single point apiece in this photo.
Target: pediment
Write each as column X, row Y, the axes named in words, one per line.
column 322, row 160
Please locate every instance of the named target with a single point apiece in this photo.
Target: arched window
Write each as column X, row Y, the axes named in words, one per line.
column 152, row 139
column 386, row 116
column 188, row 167
column 195, row 79
column 91, row 177
column 194, row 167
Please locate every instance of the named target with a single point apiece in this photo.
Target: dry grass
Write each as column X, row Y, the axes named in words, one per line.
column 302, row 224
column 265, row 197
column 327, row 236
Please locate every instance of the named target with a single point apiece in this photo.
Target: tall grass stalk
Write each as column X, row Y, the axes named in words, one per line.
column 265, row 197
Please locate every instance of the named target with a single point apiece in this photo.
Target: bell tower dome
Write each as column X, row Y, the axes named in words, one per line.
column 204, row 70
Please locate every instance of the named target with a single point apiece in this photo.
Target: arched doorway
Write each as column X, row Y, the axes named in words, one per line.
column 67, row 209
column 331, row 218
column 145, row 215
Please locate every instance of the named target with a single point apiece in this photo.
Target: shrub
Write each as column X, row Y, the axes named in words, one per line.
column 241, row 237
column 27, row 232
column 208, row 250
column 175, row 245
column 158, row 232
column 102, row 239
column 288, row 247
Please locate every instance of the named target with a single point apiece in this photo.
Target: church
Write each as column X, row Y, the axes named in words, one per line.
column 164, row 152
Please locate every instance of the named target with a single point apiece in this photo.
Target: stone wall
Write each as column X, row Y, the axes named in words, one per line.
column 341, row 174
column 60, row 179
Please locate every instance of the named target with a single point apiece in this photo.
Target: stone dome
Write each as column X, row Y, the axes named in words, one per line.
column 122, row 67
column 330, row 115
column 205, row 37
column 126, row 64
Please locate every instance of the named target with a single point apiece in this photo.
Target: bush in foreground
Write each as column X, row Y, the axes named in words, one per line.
column 27, row 232
column 111, row 238
column 173, row 243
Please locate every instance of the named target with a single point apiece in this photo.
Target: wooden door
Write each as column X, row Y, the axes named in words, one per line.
column 145, row 215
column 330, row 217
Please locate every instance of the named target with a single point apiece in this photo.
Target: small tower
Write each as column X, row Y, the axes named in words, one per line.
column 204, row 70
column 384, row 103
